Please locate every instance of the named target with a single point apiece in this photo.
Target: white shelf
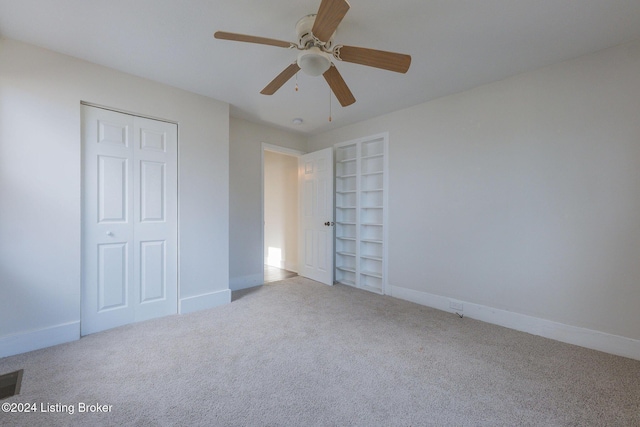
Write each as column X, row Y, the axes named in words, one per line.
column 346, row 254
column 372, row 289
column 372, row 274
column 371, row 241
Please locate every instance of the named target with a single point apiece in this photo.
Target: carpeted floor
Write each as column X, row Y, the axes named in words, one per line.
column 299, row 353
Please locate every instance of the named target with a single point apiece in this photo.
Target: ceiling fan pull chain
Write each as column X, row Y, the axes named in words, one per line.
column 329, row 104
column 296, row 82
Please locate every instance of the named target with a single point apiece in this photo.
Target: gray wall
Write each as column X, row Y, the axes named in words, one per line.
column 40, row 188
column 522, row 195
column 519, row 196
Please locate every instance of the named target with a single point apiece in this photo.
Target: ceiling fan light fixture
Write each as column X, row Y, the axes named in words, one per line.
column 314, row 61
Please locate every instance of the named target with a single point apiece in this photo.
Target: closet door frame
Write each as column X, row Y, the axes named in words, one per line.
column 129, row 218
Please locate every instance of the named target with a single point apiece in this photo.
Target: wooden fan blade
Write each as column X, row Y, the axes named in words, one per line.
column 281, row 79
column 329, row 16
column 338, row 86
column 251, row 39
column 391, row 61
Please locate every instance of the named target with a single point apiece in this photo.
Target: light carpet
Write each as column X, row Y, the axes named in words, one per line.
column 299, row 353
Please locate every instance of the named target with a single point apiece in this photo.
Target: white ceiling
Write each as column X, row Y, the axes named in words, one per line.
column 455, row 45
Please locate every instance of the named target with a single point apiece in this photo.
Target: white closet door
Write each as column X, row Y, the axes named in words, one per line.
column 155, row 218
column 315, row 173
column 129, row 219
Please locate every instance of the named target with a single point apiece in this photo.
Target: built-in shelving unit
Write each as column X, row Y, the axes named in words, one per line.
column 361, row 208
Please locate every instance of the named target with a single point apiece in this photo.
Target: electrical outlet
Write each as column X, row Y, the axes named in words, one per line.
column 456, row 306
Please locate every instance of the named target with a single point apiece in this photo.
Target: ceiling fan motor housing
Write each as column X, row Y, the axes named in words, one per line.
column 305, row 35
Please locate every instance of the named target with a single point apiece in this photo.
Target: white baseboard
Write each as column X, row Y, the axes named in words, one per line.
column 244, row 282
column 290, row 266
column 204, row 301
column 34, row 340
column 595, row 340
column 23, row 342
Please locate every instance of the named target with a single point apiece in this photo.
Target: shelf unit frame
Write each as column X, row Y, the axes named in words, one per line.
column 361, row 191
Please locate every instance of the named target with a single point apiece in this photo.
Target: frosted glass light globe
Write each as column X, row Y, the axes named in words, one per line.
column 314, row 61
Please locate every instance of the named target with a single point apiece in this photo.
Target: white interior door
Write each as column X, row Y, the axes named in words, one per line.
column 129, row 219
column 315, row 174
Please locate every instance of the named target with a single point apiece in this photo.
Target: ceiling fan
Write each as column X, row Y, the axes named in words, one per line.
column 316, row 46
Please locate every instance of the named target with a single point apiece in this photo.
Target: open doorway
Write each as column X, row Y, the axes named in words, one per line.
column 280, row 212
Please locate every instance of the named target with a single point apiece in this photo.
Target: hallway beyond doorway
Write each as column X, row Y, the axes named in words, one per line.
column 273, row 274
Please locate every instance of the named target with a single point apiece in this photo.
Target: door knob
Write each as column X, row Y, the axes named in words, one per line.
column 328, row 223
column 109, row 233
